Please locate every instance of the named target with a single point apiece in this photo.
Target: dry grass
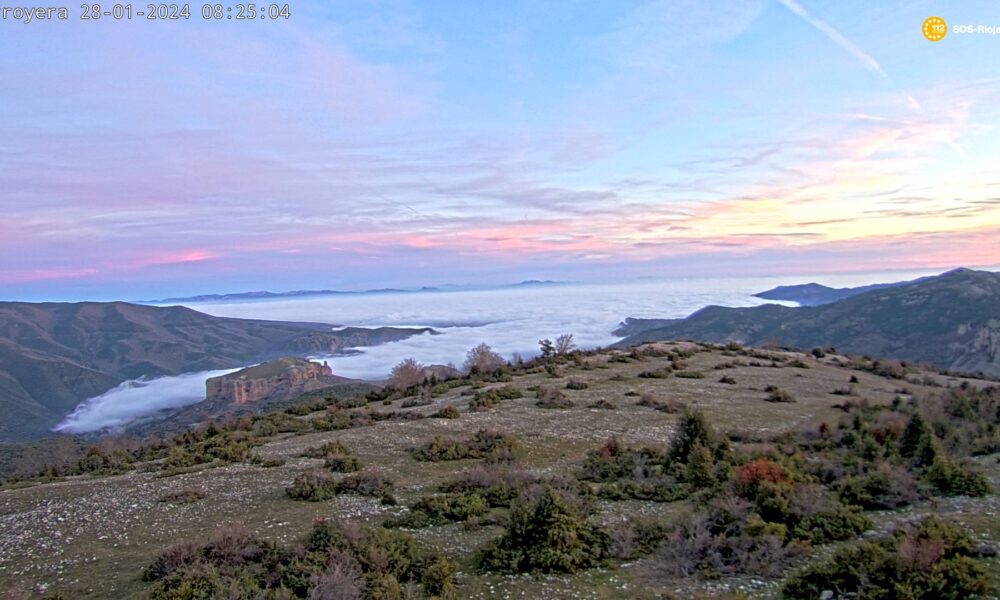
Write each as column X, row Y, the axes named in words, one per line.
column 90, row 537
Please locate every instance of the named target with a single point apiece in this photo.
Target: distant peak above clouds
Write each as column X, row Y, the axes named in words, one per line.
column 266, row 295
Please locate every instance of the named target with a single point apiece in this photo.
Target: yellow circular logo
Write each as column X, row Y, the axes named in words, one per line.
column 934, row 29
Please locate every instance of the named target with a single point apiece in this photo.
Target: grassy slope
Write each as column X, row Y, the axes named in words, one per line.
column 53, row 355
column 90, row 537
column 950, row 320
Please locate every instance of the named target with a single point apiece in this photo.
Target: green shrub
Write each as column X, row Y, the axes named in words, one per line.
column 691, row 430
column 304, row 408
column 498, row 486
column 440, row 449
column 918, row 442
column 313, row 486
column 438, row 510
column 448, row 412
column 930, row 561
column 655, row 374
column 576, row 384
column 493, row 396
column 552, row 398
column 334, row 447
column 633, row 473
column 613, row 461
column 885, row 487
column 486, row 443
column 370, row 482
column 342, row 463
column 414, row 402
column 439, row 578
column 101, row 463
column 334, row 560
column 776, row 394
column 689, row 374
column 549, row 535
column 954, row 478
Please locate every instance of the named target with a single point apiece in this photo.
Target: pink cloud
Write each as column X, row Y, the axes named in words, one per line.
column 31, row 275
column 172, row 258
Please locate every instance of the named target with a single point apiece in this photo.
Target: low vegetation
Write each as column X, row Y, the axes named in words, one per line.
column 690, row 503
column 316, row 486
column 335, row 560
column 487, row 444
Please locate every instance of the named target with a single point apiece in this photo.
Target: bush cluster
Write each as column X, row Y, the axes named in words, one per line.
column 487, row 399
column 689, row 374
column 441, row 509
column 337, row 457
column 547, row 535
column 334, row 560
column 448, row 412
column 316, row 486
column 776, row 394
column 487, row 444
column 549, row 397
column 929, row 560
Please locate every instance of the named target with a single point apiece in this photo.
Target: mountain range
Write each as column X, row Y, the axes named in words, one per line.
column 266, row 295
column 950, row 320
column 54, row 355
column 814, row 294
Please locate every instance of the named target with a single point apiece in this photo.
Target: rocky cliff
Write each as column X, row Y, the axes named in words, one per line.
column 54, row 355
column 279, row 379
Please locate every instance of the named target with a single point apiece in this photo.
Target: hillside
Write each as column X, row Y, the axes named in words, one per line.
column 351, row 496
column 814, row 294
column 53, row 355
column 951, row 320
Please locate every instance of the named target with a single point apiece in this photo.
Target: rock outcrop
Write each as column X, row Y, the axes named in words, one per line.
column 280, row 379
column 55, row 355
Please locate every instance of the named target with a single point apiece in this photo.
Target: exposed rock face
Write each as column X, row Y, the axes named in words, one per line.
column 55, row 355
column 279, row 379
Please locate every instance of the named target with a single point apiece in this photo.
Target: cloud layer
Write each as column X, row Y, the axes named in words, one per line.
column 136, row 399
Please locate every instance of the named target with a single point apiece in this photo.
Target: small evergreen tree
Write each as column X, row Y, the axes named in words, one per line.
column 918, row 442
column 548, row 536
column 692, row 430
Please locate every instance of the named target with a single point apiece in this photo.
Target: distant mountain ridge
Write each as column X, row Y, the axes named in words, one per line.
column 815, row 294
column 951, row 320
column 266, row 295
column 54, row 355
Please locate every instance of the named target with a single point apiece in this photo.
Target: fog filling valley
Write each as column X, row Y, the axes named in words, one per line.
column 135, row 399
column 510, row 320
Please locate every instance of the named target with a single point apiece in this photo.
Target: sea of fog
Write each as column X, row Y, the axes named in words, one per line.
column 511, row 320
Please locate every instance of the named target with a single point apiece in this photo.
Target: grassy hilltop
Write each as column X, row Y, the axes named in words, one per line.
column 669, row 470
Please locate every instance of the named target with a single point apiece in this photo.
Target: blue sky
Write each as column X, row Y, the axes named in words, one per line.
column 372, row 144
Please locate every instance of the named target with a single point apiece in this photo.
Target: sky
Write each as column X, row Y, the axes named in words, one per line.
column 368, row 144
